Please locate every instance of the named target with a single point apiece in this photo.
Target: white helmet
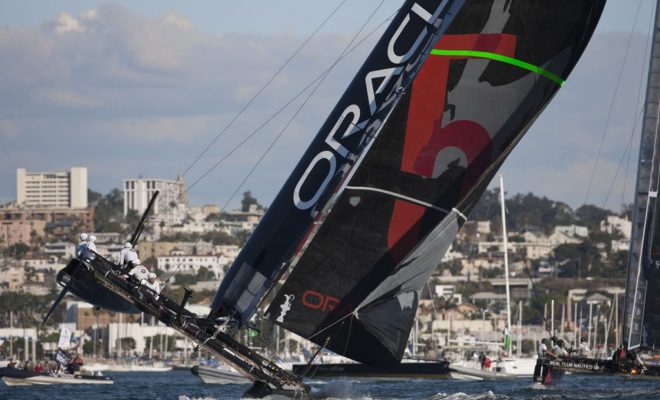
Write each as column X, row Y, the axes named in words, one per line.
column 151, row 275
column 92, row 238
column 83, row 237
column 128, row 245
column 137, row 261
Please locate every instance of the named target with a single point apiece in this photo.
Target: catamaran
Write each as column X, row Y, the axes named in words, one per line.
column 641, row 324
column 363, row 220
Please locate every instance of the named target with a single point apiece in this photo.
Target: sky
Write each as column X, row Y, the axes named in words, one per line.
column 132, row 89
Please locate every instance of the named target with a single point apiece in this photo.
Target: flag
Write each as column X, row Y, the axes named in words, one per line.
column 507, row 340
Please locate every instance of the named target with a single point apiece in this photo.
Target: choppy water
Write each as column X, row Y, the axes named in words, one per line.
column 182, row 385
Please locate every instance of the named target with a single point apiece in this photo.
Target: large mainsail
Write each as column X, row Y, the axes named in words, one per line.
column 357, row 278
column 642, row 304
column 346, row 134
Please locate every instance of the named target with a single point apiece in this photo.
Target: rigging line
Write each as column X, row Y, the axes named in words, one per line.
column 645, row 65
column 272, row 78
column 276, row 113
column 609, row 113
column 293, row 117
column 626, row 151
column 300, row 93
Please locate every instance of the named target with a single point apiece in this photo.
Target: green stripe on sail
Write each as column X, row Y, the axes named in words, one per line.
column 501, row 58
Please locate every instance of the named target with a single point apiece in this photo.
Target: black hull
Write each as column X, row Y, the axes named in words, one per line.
column 409, row 370
column 550, row 371
column 79, row 279
column 97, row 282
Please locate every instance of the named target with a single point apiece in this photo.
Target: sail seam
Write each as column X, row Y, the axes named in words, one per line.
column 401, row 196
column 498, row 57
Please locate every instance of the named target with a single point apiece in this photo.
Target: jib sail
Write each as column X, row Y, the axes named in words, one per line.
column 348, row 131
column 642, row 304
column 355, row 285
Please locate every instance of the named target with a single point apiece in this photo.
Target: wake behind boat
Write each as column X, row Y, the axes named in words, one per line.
column 19, row 377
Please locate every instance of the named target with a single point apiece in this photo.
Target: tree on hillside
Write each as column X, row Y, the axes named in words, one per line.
column 529, row 211
column 109, row 212
column 248, row 200
column 590, row 216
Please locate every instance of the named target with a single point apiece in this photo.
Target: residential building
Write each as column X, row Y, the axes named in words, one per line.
column 20, row 231
column 164, row 249
column 573, row 230
column 138, row 192
column 83, row 217
column 189, row 264
column 12, row 278
column 615, row 223
column 238, row 220
column 52, row 189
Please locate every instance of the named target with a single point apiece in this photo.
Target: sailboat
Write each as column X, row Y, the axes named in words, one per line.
column 507, row 367
column 13, row 376
column 641, row 322
column 358, row 227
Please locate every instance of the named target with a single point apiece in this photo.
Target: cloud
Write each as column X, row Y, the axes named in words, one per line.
column 127, row 95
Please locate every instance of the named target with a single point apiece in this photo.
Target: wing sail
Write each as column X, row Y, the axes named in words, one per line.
column 358, row 281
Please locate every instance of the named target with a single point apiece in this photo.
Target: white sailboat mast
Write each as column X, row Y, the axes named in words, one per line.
column 506, row 261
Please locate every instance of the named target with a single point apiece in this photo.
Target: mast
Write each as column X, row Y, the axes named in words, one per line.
column 644, row 202
column 506, row 263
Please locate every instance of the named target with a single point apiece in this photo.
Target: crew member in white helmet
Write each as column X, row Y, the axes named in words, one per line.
column 128, row 257
column 82, row 245
column 139, row 272
column 88, row 252
column 153, row 284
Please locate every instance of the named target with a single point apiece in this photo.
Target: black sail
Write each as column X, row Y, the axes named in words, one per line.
column 345, row 135
column 356, row 280
column 642, row 304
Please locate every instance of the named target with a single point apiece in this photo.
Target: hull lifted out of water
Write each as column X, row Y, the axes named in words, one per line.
column 268, row 377
column 17, row 377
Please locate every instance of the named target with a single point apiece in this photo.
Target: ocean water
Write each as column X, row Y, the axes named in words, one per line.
column 182, row 385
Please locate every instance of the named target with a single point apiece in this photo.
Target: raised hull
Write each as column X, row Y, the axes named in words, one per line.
column 16, row 377
column 410, row 370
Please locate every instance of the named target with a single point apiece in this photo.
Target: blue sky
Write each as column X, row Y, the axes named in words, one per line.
column 139, row 88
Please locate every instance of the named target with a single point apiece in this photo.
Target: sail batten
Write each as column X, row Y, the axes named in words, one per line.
column 358, row 282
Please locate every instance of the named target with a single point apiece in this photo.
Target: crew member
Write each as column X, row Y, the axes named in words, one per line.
column 88, row 251
column 139, row 272
column 12, row 363
column 620, row 357
column 153, row 284
column 82, row 245
column 583, row 349
column 544, row 350
column 561, row 350
column 128, row 257
column 38, row 367
column 555, row 343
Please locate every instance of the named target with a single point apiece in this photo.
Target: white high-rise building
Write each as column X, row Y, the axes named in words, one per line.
column 138, row 192
column 52, row 189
